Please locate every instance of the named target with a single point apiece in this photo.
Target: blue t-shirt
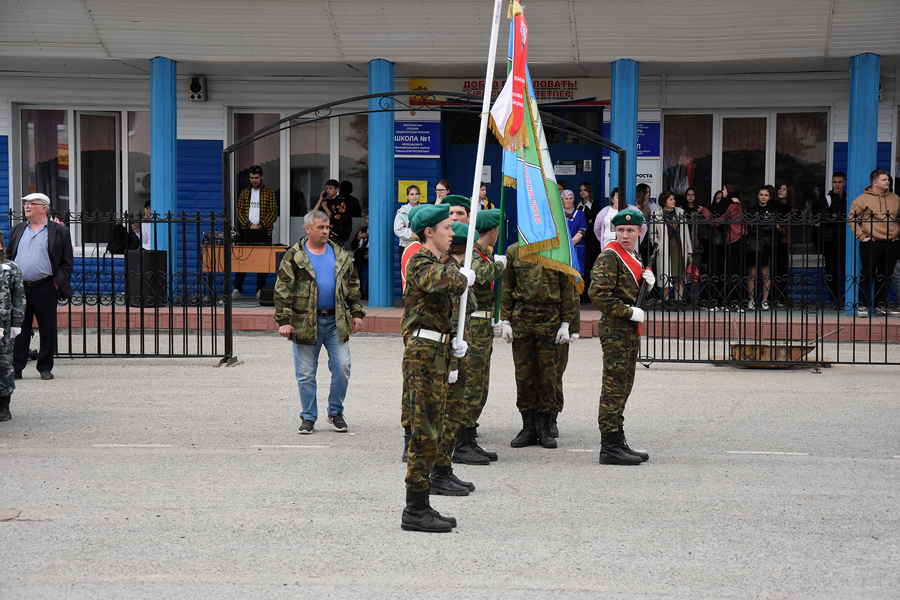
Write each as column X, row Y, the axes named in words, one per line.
column 323, row 265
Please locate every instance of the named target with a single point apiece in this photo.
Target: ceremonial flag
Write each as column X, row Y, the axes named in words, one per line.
column 508, row 112
column 543, row 234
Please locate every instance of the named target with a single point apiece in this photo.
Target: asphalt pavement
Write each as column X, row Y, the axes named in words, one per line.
column 146, row 478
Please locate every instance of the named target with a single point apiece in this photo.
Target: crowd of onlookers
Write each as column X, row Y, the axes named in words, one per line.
column 737, row 251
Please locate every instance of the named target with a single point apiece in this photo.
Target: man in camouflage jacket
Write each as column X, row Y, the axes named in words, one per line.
column 317, row 302
column 12, row 313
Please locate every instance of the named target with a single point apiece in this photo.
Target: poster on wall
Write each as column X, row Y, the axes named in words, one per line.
column 404, row 184
column 417, row 134
column 557, row 91
column 649, row 171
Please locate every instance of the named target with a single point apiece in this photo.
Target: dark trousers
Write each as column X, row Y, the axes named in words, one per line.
column 40, row 303
column 877, row 258
column 833, row 249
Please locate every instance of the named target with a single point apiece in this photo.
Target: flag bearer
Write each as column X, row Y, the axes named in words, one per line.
column 615, row 282
column 426, row 358
column 539, row 303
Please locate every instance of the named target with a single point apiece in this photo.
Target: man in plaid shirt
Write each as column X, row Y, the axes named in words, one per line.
column 257, row 209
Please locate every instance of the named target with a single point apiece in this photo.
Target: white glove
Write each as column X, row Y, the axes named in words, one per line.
column 469, row 273
column 500, row 258
column 562, row 336
column 459, row 347
column 14, row 331
column 497, row 328
column 573, row 337
column 2, row 333
column 649, row 277
column 506, row 332
column 454, row 376
column 637, row 314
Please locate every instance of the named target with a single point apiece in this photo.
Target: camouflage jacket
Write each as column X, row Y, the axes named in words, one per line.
column 613, row 288
column 528, row 283
column 427, row 298
column 470, row 303
column 486, row 272
column 296, row 293
column 12, row 296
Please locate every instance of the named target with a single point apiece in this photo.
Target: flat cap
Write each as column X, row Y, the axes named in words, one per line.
column 457, row 200
column 427, row 215
column 461, row 232
column 487, row 220
column 629, row 216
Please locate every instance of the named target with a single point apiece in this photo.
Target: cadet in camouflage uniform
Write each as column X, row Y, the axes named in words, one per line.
column 427, row 307
column 12, row 313
column 615, row 282
column 488, row 268
column 563, row 362
column 539, row 303
column 443, row 481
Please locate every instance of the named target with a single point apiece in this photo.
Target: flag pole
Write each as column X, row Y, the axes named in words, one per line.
column 500, row 248
column 479, row 160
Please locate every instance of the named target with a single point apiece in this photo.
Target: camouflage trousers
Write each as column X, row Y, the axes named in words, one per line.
column 621, row 344
column 535, row 356
column 481, row 345
column 405, row 399
column 454, row 406
column 563, row 362
column 7, row 372
column 425, row 369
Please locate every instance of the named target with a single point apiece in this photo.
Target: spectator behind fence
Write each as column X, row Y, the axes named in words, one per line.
column 761, row 245
column 354, row 208
column 577, row 225
column 727, row 249
column 360, row 247
column 671, row 233
column 873, row 220
column 441, row 189
column 832, row 209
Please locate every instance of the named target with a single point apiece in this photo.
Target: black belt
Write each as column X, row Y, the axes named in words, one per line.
column 323, row 314
column 38, row 281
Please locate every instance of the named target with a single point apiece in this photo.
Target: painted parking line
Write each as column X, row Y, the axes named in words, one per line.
column 133, row 445
column 766, row 452
column 287, row 446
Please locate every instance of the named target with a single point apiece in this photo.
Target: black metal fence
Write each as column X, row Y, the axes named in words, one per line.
column 769, row 289
column 156, row 286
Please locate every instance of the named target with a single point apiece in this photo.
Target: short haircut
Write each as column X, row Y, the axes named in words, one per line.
column 664, row 197
column 147, row 204
column 255, row 170
column 839, row 174
column 877, row 173
column 333, row 183
column 346, row 188
column 315, row 215
column 412, row 187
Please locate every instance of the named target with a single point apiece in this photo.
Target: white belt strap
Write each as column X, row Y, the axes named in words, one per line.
column 482, row 314
column 428, row 334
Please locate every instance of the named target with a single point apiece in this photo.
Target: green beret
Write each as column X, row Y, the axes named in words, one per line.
column 487, row 220
column 460, row 232
column 629, row 216
column 427, row 215
column 457, row 200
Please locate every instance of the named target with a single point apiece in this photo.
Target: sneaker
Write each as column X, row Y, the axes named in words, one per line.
column 764, row 305
column 751, row 305
column 236, row 294
column 863, row 313
column 307, row 426
column 340, row 425
column 881, row 312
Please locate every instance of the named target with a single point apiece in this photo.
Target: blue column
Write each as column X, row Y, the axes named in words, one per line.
column 862, row 149
column 623, row 121
column 163, row 135
column 382, row 246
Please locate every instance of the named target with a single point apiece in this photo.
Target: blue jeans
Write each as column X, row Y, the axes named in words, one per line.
column 306, row 363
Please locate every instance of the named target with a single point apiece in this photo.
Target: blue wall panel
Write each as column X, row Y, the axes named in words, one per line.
column 4, row 182
column 841, row 154
column 413, row 169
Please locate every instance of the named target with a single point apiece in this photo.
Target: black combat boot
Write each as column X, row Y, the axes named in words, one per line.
column 543, row 430
column 407, row 433
column 554, row 430
column 611, row 452
column 491, row 456
column 528, row 435
column 442, row 485
column 466, row 484
column 418, row 516
column 624, row 445
column 5, row 415
column 434, row 513
column 464, row 453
